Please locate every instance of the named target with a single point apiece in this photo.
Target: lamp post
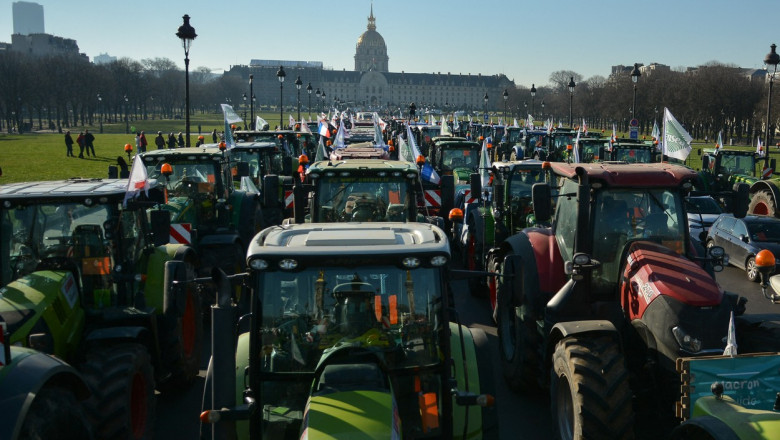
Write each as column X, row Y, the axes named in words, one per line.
column 323, row 101
column 533, row 97
column 252, row 103
column 280, row 74
column 543, row 108
column 506, row 98
column 485, row 117
column 317, row 94
column 571, row 98
column 100, row 115
column 127, row 121
column 244, row 110
column 187, row 34
column 771, row 59
column 298, row 85
column 308, row 90
column 635, row 74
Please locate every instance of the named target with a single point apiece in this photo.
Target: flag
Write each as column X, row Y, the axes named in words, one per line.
column 379, row 140
column 305, row 127
column 576, row 148
column 261, row 124
column 613, row 138
column 759, row 148
column 455, row 123
column 560, row 124
column 433, row 120
column 229, row 142
column 719, row 144
column 584, row 127
column 322, row 153
column 484, row 165
column 291, row 121
column 427, row 172
column 677, row 141
column 404, row 150
column 379, row 120
column 656, row 134
column 341, row 135
column 445, row 128
column 324, row 132
column 515, row 124
column 731, row 339
column 138, row 181
column 230, row 115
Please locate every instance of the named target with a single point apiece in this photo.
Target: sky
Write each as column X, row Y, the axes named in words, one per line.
column 526, row 41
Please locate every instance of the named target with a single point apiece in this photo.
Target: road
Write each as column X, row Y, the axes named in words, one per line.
column 177, row 416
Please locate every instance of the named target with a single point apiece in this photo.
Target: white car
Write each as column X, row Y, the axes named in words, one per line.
column 702, row 212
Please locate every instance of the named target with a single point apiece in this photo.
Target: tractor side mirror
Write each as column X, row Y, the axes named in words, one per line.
column 242, row 169
column 705, row 162
column 476, row 185
column 542, row 200
column 161, row 226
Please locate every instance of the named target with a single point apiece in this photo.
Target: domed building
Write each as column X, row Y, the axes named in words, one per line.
column 371, row 50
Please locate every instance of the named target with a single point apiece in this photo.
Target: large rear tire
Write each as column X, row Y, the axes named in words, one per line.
column 762, row 203
column 55, row 414
column 589, row 393
column 181, row 343
column 121, row 379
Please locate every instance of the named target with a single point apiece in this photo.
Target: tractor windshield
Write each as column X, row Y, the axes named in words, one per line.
column 452, row 158
column 262, row 162
column 738, row 164
column 633, row 155
column 363, row 198
column 623, row 215
column 189, row 177
column 522, row 180
column 515, row 136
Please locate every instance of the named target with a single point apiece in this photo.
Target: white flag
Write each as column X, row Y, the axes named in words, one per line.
column 230, row 115
column 759, row 148
column 677, row 141
column 139, row 180
column 576, row 148
column 445, row 128
column 484, row 165
column 305, row 127
column 291, row 122
column 261, row 124
column 731, row 339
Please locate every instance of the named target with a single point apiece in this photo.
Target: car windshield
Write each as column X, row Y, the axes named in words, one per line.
column 633, row 155
column 764, row 231
column 621, row 216
column 703, row 205
column 365, row 198
column 454, row 157
column 381, row 308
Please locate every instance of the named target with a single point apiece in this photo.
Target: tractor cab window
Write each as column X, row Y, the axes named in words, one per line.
column 620, row 216
column 515, row 136
column 738, row 164
column 565, row 219
column 368, row 198
column 189, row 178
column 522, row 180
column 452, row 158
column 632, row 155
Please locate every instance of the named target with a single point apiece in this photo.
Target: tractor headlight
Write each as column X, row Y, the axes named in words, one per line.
column 685, row 341
column 438, row 260
column 258, row 264
column 411, row 262
column 288, row 264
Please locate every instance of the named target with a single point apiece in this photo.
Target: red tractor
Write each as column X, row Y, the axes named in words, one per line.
column 598, row 307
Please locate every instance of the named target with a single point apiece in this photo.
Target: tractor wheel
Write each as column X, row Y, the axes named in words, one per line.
column 762, row 203
column 55, row 414
column 181, row 344
column 485, row 356
column 589, row 393
column 121, row 379
column 752, row 270
column 518, row 340
column 494, row 264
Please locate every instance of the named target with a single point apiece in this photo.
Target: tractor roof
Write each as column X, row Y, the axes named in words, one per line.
column 522, row 164
column 354, row 239
column 363, row 166
column 70, row 189
column 261, row 145
column 205, row 150
column 623, row 174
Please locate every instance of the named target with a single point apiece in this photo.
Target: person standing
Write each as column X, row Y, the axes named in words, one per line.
column 89, row 142
column 214, row 136
column 144, row 143
column 159, row 141
column 181, row 140
column 80, row 141
column 69, row 144
column 138, row 142
column 171, row 141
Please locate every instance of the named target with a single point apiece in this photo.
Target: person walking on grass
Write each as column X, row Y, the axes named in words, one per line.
column 144, row 143
column 181, row 140
column 69, row 144
column 89, row 142
column 159, row 141
column 171, row 141
column 214, row 136
column 80, row 141
column 138, row 142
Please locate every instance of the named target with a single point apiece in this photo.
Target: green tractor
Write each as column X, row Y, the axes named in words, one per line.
column 40, row 397
column 351, row 336
column 207, row 212
column 85, row 278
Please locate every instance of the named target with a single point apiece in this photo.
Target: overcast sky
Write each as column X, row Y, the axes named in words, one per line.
column 525, row 40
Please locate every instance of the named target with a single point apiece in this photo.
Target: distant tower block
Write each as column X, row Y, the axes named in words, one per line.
column 28, row 18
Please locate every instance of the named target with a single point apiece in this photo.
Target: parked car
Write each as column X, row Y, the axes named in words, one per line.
column 743, row 238
column 702, row 212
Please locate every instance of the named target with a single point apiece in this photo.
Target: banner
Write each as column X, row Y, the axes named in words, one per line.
column 677, row 141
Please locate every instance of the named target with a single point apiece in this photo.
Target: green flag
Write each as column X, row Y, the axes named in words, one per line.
column 677, row 141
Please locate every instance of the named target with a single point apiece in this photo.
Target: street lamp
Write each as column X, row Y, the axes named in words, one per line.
column 244, row 111
column 252, row 103
column 187, row 34
column 100, row 115
column 323, row 101
column 571, row 98
column 771, row 59
column 506, row 97
column 635, row 74
column 533, row 97
column 542, row 108
column 485, row 117
column 127, row 122
column 280, row 74
column 298, row 85
column 308, row 90
column 317, row 94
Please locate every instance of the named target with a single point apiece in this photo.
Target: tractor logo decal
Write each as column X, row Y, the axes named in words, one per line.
column 69, row 290
column 181, row 233
column 288, row 199
column 433, row 197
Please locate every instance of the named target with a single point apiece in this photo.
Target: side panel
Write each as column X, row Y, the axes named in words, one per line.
column 465, row 374
column 242, row 365
column 155, row 275
column 548, row 259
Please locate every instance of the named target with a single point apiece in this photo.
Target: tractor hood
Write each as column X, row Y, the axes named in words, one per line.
column 351, row 414
column 654, row 270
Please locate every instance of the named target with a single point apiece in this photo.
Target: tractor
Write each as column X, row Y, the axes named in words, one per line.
column 352, row 335
column 85, row 278
column 598, row 307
